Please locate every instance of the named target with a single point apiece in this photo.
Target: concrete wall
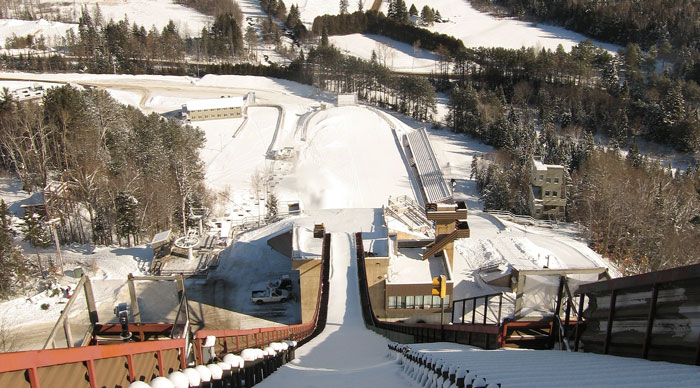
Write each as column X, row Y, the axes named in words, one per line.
column 377, row 268
column 309, row 278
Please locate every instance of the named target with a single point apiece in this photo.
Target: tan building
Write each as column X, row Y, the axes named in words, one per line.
column 400, row 278
column 547, row 190
column 214, row 109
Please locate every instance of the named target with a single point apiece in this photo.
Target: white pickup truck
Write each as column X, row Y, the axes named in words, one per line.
column 269, row 295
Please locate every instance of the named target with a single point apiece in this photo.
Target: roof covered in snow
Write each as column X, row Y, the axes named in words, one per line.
column 215, row 103
column 409, row 267
column 540, row 166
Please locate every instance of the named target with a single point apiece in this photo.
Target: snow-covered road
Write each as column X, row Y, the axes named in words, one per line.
column 345, row 354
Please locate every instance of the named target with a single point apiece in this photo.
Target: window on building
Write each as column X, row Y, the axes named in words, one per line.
column 556, row 180
column 447, row 300
column 546, row 193
column 549, row 180
column 436, row 301
column 409, row 302
column 401, row 302
column 419, row 301
column 541, row 176
column 554, row 193
column 392, row 302
column 426, row 301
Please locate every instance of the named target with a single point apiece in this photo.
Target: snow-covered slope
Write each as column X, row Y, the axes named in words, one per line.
column 395, row 55
column 477, row 29
column 350, row 159
column 147, row 13
column 345, row 354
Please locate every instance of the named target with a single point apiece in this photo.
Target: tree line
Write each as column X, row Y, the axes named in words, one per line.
column 372, row 22
column 326, row 68
column 588, row 88
column 668, row 27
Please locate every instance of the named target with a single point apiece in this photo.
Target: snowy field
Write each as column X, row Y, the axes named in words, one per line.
column 51, row 31
column 147, row 13
column 397, row 56
column 476, row 29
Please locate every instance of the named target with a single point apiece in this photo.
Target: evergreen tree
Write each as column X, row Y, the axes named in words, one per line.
column 413, row 11
column 360, row 5
column 126, row 208
column 496, row 193
column 36, row 234
column 324, row 38
column 10, row 256
column 634, row 157
column 391, row 12
column 272, row 207
column 427, row 16
column 343, row 7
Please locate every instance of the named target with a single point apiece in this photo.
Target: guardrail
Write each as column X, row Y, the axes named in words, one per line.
column 473, row 300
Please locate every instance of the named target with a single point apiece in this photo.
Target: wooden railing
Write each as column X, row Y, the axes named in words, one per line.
column 92, row 366
column 653, row 316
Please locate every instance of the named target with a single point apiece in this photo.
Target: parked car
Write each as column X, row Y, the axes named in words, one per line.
column 284, row 283
column 269, row 295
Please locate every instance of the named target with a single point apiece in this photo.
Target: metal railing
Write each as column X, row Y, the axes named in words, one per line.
column 473, row 300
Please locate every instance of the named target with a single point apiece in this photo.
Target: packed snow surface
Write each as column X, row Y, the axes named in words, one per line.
column 345, row 354
column 347, row 163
